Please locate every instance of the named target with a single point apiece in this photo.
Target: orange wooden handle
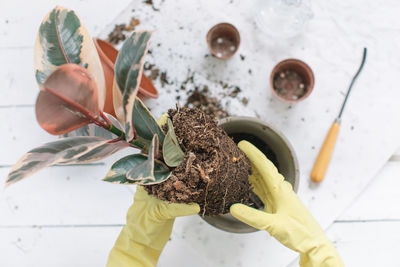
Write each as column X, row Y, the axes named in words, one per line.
column 325, row 154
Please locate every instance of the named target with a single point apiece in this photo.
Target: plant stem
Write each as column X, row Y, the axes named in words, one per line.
column 118, row 132
column 134, row 143
column 105, row 118
column 137, row 144
column 115, row 131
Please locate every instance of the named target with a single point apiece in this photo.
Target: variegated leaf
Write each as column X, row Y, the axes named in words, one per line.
column 145, row 170
column 91, row 130
column 172, row 152
column 68, row 100
column 63, row 39
column 128, row 73
column 103, row 151
column 145, row 124
column 117, row 173
column 52, row 153
column 114, row 121
column 94, row 130
column 117, row 103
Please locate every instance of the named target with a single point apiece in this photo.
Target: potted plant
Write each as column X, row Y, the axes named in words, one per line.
column 274, row 145
column 187, row 159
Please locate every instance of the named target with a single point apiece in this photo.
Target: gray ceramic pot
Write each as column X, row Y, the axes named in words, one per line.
column 285, row 156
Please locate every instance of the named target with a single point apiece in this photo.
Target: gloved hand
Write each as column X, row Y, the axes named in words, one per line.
column 148, row 227
column 285, row 216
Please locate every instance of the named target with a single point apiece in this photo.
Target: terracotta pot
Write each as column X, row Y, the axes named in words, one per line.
column 223, row 40
column 108, row 55
column 285, row 156
column 302, row 69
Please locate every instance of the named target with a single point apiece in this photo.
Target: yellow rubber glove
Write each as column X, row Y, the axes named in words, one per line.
column 148, row 228
column 285, row 216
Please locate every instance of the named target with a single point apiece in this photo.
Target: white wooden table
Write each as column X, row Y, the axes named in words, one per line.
column 65, row 216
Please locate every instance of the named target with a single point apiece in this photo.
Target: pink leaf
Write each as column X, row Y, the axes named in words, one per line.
column 68, row 100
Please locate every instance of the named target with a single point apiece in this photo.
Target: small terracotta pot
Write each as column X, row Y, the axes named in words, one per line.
column 223, row 40
column 108, row 55
column 303, row 70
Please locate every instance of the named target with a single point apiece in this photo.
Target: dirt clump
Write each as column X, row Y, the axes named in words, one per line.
column 214, row 172
column 118, row 33
column 209, row 105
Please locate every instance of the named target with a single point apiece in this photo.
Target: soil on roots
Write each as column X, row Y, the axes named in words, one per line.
column 215, row 171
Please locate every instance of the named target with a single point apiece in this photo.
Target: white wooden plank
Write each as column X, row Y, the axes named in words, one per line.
column 380, row 199
column 20, row 20
column 75, row 246
column 219, row 248
column 397, row 153
column 366, row 244
column 193, row 243
column 64, row 196
column 395, row 156
column 20, row 132
column 359, row 244
column 18, row 83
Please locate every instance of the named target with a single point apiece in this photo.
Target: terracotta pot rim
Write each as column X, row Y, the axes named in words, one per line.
column 208, row 38
column 142, row 91
column 100, row 51
column 148, row 93
column 303, row 65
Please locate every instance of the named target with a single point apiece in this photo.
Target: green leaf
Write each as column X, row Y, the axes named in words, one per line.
column 145, row 124
column 145, row 170
column 67, row 149
column 172, row 153
column 128, row 73
column 117, row 173
column 68, row 100
column 63, row 39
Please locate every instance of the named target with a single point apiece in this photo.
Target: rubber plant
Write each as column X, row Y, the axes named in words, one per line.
column 72, row 94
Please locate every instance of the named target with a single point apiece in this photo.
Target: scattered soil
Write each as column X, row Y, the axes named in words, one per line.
column 164, row 79
column 235, row 91
column 118, row 33
column 290, row 85
column 215, row 171
column 198, row 95
column 209, row 105
column 154, row 74
column 151, row 3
